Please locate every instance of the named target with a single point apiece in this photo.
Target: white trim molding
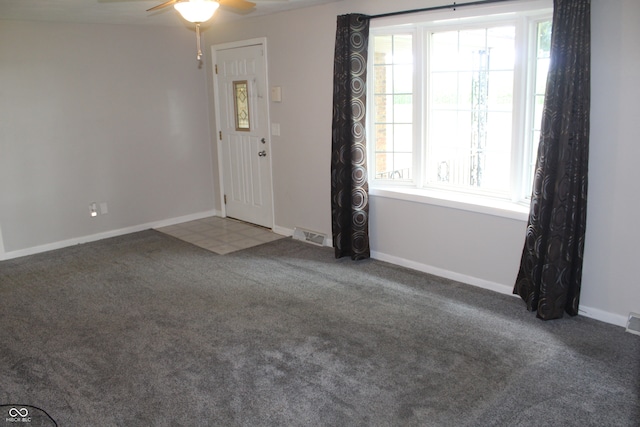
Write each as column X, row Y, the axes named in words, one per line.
column 447, row 274
column 593, row 313
column 104, row 235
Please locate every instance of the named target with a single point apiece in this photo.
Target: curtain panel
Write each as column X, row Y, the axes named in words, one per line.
column 349, row 186
column 550, row 274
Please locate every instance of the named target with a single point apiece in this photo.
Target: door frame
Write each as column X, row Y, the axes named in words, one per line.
column 262, row 41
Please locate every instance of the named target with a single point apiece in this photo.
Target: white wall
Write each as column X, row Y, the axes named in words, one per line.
column 98, row 113
column 476, row 248
column 610, row 280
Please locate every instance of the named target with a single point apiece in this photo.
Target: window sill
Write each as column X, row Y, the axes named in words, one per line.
column 465, row 202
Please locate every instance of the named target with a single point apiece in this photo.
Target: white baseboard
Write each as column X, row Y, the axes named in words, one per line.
column 603, row 316
column 282, row 231
column 186, row 218
column 452, row 275
column 593, row 313
column 104, row 235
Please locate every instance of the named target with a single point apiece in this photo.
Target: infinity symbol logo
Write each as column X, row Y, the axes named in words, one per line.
column 22, row 412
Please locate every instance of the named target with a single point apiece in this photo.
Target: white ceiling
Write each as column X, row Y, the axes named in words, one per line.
column 128, row 11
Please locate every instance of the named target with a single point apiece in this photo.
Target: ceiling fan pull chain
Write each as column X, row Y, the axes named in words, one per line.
column 198, row 41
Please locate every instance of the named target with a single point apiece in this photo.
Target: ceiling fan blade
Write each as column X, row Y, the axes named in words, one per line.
column 237, row 4
column 165, row 4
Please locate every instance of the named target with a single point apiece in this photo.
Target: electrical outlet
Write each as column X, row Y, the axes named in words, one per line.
column 93, row 209
column 103, row 208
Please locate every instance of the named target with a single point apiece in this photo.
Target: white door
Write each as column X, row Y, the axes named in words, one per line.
column 240, row 75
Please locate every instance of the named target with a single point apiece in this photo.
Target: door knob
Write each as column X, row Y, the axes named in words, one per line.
column 262, row 154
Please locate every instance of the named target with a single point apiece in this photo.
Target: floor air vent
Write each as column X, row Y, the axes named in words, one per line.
column 309, row 236
column 633, row 324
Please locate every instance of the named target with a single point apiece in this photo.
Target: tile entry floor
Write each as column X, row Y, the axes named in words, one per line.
column 221, row 235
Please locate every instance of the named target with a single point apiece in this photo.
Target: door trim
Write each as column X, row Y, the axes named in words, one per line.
column 261, row 41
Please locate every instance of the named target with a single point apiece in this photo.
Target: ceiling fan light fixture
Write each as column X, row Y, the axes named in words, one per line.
column 197, row 10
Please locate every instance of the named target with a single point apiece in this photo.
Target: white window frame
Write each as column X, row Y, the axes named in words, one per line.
column 525, row 15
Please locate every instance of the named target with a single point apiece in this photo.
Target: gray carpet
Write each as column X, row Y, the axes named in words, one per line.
column 147, row 330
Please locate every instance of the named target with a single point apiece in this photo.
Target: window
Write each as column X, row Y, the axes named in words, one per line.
column 456, row 105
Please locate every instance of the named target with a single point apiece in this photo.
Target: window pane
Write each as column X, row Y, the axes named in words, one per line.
column 383, row 53
column 394, row 106
column 443, row 127
column 500, row 90
column 384, row 138
column 384, row 165
column 383, row 75
column 543, row 46
column 241, row 105
column 403, row 138
column 472, row 50
column 403, row 78
column 403, row 49
column 449, row 165
column 444, row 90
column 402, row 169
column 383, row 108
column 465, row 84
column 531, row 164
column 403, row 108
column 471, row 103
column 444, row 48
column 544, row 39
column 493, row 175
column 539, row 107
column 500, row 43
column 541, row 75
column 396, row 166
column 498, row 132
column 536, row 141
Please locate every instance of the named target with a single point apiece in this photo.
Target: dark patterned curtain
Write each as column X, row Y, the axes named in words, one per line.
column 349, row 187
column 551, row 267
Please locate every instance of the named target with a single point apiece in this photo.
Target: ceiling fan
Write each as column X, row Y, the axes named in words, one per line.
column 234, row 4
column 199, row 11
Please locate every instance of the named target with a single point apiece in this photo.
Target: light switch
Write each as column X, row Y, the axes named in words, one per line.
column 276, row 94
column 275, row 129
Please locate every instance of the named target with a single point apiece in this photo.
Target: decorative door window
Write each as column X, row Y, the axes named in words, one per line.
column 241, row 105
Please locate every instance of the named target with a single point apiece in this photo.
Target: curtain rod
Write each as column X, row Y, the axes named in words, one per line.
column 429, row 9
